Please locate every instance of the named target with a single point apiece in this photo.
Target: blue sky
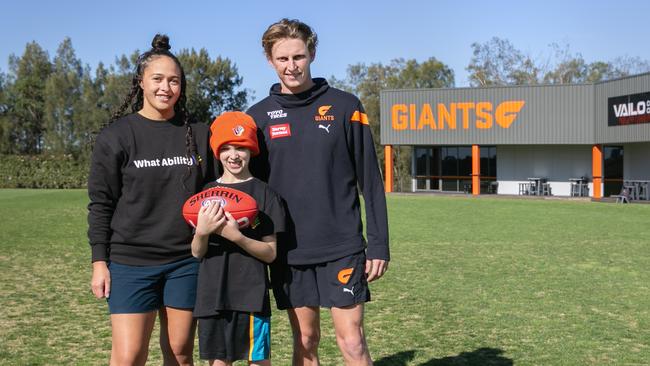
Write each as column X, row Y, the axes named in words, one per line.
column 349, row 31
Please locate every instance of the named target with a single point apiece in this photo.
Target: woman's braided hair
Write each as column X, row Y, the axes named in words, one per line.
column 160, row 47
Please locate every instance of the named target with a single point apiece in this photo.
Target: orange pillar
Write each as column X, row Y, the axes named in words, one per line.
column 388, row 171
column 597, row 170
column 476, row 170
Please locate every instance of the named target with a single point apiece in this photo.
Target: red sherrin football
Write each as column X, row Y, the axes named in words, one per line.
column 240, row 205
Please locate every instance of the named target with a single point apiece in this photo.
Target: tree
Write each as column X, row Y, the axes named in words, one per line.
column 213, row 86
column 367, row 81
column 569, row 68
column 115, row 82
column 62, row 94
column 624, row 66
column 4, row 120
column 597, row 71
column 498, row 62
column 573, row 69
column 428, row 74
column 91, row 110
column 27, row 99
column 3, row 86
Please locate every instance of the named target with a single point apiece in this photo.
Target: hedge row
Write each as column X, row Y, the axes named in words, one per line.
column 42, row 171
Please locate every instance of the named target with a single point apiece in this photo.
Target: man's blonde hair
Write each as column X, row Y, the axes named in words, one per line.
column 289, row 28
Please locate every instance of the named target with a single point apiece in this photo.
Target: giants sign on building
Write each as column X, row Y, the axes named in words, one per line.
column 628, row 109
column 485, row 115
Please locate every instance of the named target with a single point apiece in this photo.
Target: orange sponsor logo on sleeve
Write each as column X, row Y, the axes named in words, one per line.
column 344, row 275
column 359, row 117
column 466, row 115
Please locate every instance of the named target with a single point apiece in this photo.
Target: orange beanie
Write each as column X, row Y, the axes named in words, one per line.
column 234, row 128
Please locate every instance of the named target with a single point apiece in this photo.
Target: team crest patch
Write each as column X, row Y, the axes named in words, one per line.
column 238, row 130
column 322, row 114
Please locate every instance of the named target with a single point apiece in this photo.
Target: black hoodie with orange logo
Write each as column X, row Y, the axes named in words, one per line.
column 317, row 152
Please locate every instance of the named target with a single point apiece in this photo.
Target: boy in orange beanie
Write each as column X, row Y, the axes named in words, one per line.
column 232, row 301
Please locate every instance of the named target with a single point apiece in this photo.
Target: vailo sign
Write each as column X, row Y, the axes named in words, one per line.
column 453, row 116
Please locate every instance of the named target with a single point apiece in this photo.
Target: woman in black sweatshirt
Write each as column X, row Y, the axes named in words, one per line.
column 145, row 164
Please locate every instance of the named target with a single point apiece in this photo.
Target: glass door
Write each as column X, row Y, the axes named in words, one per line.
column 612, row 170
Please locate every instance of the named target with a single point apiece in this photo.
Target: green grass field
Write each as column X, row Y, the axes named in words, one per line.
column 472, row 281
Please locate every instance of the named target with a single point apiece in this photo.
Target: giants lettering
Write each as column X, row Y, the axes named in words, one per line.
column 407, row 117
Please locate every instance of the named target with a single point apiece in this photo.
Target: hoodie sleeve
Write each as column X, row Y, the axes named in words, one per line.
column 361, row 146
column 104, row 190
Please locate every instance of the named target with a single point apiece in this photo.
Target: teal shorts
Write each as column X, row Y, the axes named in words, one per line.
column 141, row 289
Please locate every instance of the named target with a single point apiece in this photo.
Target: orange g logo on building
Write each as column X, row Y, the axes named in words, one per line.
column 506, row 112
column 322, row 114
column 344, row 275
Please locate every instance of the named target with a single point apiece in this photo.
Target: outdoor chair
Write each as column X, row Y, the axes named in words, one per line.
column 575, row 189
column 630, row 191
column 624, row 197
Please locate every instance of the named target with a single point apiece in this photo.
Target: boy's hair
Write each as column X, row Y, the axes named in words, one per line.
column 234, row 128
column 289, row 28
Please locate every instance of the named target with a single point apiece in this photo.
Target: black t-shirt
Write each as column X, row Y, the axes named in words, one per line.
column 229, row 277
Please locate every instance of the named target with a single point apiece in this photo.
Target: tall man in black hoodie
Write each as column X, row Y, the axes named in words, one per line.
column 316, row 151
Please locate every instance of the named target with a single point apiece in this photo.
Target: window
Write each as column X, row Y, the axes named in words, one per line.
column 465, row 161
column 422, row 167
column 488, row 169
column 449, row 161
column 449, row 168
column 489, row 162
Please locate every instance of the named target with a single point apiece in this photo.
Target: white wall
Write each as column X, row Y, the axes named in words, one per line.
column 636, row 161
column 557, row 163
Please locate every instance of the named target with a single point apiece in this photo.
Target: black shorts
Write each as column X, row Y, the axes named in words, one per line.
column 235, row 335
column 337, row 283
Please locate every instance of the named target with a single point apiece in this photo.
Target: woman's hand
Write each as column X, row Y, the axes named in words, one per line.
column 100, row 283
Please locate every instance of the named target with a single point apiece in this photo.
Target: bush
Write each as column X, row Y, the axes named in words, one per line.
column 43, row 171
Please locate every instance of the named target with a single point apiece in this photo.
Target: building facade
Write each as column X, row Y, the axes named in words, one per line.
column 498, row 139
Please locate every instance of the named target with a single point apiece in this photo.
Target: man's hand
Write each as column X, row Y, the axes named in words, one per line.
column 375, row 268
